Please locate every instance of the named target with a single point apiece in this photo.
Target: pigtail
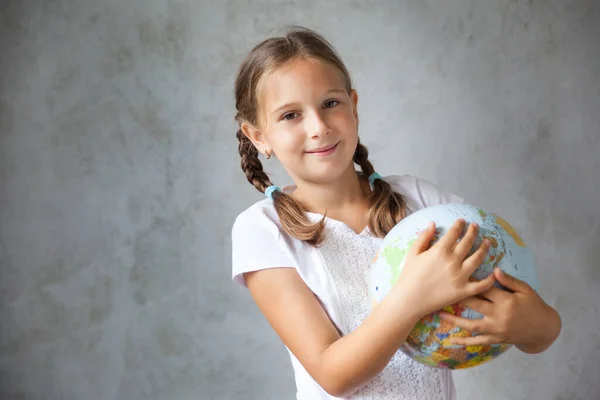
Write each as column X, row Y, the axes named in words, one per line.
column 250, row 163
column 387, row 207
column 291, row 212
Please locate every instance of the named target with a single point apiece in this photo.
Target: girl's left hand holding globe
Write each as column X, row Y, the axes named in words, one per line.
column 520, row 317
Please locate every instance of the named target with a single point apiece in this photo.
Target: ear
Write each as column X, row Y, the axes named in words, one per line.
column 354, row 98
column 255, row 136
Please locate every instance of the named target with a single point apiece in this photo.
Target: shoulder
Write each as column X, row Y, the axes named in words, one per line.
column 260, row 216
column 258, row 241
column 420, row 193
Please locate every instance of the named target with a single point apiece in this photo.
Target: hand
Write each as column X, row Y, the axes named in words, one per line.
column 434, row 277
column 519, row 317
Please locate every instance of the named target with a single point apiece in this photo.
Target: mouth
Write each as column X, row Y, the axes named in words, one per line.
column 323, row 151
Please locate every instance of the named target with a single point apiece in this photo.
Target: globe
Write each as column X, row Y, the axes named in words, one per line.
column 428, row 341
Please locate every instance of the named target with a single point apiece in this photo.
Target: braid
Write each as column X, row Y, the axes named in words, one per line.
column 251, row 165
column 361, row 157
column 387, row 207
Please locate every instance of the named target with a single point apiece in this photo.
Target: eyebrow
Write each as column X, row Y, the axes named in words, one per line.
column 334, row 90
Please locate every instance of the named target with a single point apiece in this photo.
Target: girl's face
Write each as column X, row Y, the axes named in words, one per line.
column 308, row 120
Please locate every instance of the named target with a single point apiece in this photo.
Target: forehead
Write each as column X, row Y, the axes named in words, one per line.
column 299, row 80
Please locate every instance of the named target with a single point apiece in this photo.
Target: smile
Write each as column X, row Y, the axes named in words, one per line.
column 324, row 151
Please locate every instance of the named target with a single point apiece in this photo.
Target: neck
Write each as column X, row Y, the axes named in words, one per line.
column 345, row 192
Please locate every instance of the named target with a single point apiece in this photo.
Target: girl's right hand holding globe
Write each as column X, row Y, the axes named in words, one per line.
column 437, row 276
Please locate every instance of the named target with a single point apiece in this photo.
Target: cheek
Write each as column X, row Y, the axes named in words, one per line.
column 292, row 141
column 287, row 141
column 346, row 123
column 351, row 146
column 348, row 128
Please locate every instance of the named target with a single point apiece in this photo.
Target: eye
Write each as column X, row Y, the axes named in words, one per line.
column 289, row 116
column 331, row 103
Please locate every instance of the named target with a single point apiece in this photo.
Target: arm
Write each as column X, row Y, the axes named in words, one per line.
column 545, row 334
column 341, row 365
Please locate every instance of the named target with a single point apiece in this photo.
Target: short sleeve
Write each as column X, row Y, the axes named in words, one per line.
column 432, row 195
column 421, row 193
column 257, row 243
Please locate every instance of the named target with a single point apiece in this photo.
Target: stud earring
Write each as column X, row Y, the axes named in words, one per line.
column 267, row 154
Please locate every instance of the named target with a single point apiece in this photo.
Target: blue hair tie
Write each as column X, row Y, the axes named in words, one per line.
column 373, row 177
column 269, row 191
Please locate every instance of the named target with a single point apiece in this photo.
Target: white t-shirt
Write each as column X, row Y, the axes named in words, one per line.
column 337, row 273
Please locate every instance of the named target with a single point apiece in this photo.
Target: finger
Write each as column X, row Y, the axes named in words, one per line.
column 452, row 235
column 494, row 294
column 482, row 306
column 510, row 282
column 474, row 288
column 466, row 243
column 470, row 325
column 476, row 259
column 479, row 340
column 423, row 240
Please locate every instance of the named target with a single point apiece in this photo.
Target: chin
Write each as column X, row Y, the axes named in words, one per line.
column 331, row 172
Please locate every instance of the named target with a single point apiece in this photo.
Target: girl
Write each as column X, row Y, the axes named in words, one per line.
column 304, row 251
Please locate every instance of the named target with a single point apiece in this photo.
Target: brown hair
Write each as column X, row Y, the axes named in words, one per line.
column 386, row 207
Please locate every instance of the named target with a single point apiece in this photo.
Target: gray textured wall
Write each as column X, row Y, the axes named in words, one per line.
column 119, row 180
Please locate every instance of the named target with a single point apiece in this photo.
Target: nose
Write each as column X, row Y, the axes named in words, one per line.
column 317, row 126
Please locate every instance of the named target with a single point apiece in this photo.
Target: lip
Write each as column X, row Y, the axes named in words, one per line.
column 324, row 149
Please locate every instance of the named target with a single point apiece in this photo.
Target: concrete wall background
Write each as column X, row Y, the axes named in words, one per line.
column 119, row 179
